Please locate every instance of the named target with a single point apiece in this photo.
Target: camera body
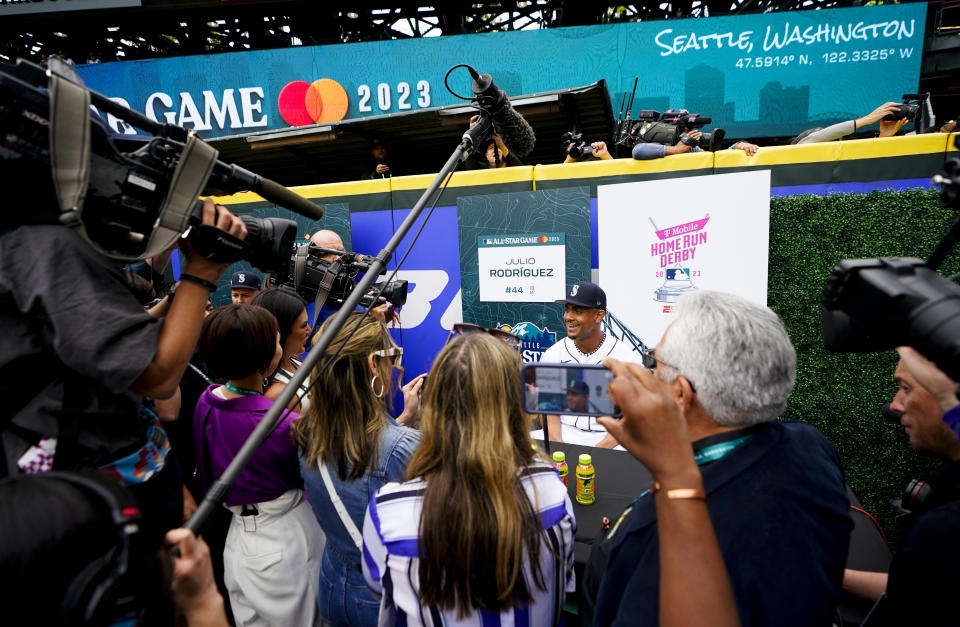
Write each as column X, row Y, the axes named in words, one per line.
column 307, row 272
column 580, row 149
column 911, row 106
column 670, row 128
column 920, row 308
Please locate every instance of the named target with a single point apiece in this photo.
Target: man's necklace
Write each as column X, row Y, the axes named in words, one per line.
column 602, row 340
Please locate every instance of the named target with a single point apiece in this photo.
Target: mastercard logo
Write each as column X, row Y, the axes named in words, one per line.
column 543, row 238
column 302, row 103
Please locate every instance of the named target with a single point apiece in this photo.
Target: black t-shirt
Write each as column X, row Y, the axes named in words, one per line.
column 922, row 586
column 74, row 340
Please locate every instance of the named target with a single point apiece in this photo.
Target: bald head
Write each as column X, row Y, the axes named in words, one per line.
column 327, row 239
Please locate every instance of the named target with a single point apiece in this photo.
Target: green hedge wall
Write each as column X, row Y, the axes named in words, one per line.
column 842, row 394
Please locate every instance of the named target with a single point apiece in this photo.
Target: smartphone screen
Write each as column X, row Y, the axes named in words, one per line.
column 569, row 389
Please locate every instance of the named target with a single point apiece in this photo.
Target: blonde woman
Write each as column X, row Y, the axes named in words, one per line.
column 482, row 532
column 349, row 447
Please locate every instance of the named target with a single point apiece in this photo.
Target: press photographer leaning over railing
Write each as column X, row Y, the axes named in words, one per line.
column 78, row 352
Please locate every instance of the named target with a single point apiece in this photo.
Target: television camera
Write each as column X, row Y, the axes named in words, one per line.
column 318, row 278
column 62, row 165
column 670, row 127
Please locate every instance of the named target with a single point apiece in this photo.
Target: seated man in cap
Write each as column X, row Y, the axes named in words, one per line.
column 586, row 343
column 244, row 285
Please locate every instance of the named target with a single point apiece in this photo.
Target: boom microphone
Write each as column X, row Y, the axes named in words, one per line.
column 515, row 131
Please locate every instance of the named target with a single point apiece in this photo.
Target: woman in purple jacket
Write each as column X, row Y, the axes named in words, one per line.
column 273, row 547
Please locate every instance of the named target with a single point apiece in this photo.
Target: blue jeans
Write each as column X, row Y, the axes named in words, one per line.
column 344, row 599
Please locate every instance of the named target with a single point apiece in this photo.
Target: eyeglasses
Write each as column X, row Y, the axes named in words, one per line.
column 650, row 361
column 465, row 328
column 394, row 351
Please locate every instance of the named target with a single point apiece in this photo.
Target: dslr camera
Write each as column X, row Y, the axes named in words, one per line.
column 911, row 106
column 310, row 275
column 580, row 149
column 670, row 127
column 920, row 308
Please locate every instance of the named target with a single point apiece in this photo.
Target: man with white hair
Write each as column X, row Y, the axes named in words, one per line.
column 330, row 240
column 775, row 489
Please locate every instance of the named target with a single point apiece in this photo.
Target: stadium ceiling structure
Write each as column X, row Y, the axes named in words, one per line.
column 164, row 28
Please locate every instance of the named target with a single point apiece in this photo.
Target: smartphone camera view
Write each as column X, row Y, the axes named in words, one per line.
column 573, row 389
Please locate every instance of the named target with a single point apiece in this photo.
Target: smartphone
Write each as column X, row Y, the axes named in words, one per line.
column 568, row 389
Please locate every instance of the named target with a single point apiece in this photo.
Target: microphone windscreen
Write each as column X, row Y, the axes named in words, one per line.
column 516, row 132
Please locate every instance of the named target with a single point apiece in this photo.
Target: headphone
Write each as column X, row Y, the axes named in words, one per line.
column 103, row 592
column 917, row 496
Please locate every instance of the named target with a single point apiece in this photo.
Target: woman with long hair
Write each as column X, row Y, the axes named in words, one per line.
column 349, row 447
column 272, row 552
column 482, row 527
column 291, row 314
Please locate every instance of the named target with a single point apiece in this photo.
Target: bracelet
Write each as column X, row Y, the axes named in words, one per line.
column 680, row 493
column 190, row 278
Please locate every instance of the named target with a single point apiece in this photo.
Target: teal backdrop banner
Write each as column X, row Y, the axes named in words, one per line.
column 533, row 214
column 755, row 75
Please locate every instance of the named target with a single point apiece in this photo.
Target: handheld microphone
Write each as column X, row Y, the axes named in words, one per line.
column 515, row 131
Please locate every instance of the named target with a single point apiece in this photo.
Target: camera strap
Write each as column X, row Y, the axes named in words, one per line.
column 69, row 147
column 189, row 180
column 326, row 283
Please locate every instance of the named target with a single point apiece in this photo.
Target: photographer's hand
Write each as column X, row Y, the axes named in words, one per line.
column 889, row 129
column 680, row 147
column 877, row 114
column 934, row 380
column 411, row 401
column 653, row 428
column 181, row 330
column 600, row 150
column 747, row 147
column 192, row 588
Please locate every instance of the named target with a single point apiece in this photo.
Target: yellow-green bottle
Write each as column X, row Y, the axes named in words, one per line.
column 560, row 463
column 585, row 481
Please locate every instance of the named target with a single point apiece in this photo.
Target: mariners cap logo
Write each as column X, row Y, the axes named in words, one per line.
column 574, row 289
column 242, row 278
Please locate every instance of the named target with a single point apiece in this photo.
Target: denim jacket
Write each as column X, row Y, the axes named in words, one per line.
column 341, row 573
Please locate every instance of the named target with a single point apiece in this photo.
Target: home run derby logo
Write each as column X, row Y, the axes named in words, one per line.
column 533, row 339
column 302, row 103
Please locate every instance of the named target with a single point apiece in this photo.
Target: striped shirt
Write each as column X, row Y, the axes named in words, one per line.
column 391, row 532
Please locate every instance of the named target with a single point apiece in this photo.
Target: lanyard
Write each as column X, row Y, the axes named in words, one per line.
column 704, row 456
column 716, row 451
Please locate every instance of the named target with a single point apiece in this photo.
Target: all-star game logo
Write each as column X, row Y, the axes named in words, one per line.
column 533, row 339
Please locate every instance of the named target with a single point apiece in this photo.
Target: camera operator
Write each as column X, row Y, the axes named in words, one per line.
column 385, row 313
column 492, row 154
column 644, row 151
column 598, row 151
column 78, row 353
column 379, row 165
column 842, row 129
column 919, row 588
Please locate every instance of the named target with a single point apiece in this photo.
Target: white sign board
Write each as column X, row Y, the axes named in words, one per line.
column 661, row 239
column 522, row 268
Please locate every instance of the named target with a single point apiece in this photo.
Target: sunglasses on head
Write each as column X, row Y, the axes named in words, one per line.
column 465, row 328
column 394, row 351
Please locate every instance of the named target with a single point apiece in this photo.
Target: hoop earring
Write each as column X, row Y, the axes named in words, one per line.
column 374, row 389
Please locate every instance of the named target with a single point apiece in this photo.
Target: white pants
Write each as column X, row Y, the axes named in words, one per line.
column 271, row 563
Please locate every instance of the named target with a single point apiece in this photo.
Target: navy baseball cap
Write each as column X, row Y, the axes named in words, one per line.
column 586, row 294
column 245, row 280
column 578, row 387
